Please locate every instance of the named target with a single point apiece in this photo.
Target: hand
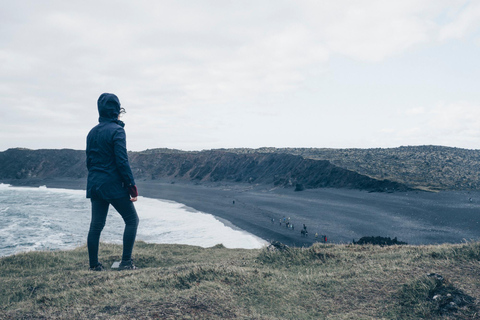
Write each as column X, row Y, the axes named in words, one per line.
column 132, row 190
column 133, row 199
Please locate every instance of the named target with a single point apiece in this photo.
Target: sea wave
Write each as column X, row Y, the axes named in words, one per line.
column 51, row 218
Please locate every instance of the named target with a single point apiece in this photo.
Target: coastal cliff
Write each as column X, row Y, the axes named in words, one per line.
column 380, row 169
column 426, row 167
column 283, row 170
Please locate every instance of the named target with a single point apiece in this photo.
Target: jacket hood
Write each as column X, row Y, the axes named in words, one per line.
column 108, row 106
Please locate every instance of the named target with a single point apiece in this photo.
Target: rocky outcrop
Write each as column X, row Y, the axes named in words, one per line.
column 381, row 241
column 207, row 166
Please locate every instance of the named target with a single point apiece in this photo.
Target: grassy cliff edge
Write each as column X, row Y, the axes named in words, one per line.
column 187, row 282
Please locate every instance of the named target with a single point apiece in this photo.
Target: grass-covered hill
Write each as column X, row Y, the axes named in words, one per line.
column 186, row 282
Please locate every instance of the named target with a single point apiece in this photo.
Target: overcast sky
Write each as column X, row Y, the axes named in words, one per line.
column 196, row 75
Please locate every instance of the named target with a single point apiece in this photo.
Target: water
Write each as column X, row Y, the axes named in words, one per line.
column 51, row 219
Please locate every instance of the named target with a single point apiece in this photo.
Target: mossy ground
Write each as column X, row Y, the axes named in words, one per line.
column 187, row 282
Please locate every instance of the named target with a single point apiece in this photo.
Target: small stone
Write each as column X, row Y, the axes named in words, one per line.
column 436, row 276
column 436, row 297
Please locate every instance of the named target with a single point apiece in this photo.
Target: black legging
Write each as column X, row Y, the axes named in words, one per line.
column 99, row 214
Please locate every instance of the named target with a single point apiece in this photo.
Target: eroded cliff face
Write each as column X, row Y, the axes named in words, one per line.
column 275, row 169
column 41, row 164
column 426, row 167
column 212, row 166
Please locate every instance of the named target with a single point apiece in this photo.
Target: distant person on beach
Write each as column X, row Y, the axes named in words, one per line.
column 110, row 180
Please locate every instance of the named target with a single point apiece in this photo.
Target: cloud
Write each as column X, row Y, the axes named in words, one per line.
column 464, row 21
column 194, row 64
column 460, row 117
column 415, row 111
column 205, row 50
column 453, row 124
column 373, row 30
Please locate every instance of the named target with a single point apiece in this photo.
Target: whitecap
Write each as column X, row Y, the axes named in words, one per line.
column 54, row 218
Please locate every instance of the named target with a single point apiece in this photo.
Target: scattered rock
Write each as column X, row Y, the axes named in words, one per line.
column 448, row 298
column 436, row 276
column 299, row 187
column 277, row 245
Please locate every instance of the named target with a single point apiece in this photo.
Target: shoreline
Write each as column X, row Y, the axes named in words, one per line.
column 194, row 196
column 341, row 214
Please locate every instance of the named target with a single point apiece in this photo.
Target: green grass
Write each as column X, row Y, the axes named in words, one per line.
column 187, row 282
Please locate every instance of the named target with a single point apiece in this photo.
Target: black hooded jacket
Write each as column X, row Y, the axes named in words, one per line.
column 109, row 173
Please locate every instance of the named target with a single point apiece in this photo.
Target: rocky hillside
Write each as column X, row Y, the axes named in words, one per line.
column 276, row 169
column 280, row 169
column 41, row 164
column 424, row 167
column 429, row 167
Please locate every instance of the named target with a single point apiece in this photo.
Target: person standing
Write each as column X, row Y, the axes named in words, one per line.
column 110, row 180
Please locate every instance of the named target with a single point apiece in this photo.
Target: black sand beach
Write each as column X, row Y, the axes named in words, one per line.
column 340, row 214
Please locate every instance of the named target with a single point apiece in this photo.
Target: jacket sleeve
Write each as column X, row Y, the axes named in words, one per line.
column 87, row 151
column 121, row 157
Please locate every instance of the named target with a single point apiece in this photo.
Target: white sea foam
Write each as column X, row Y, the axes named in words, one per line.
column 50, row 218
column 172, row 222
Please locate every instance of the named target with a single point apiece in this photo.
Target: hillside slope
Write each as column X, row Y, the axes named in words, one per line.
column 427, row 167
column 206, row 166
column 276, row 169
column 430, row 167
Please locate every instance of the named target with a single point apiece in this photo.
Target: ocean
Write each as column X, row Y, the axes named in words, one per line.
column 53, row 219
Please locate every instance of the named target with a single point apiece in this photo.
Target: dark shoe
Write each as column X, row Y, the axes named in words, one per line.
column 98, row 267
column 127, row 265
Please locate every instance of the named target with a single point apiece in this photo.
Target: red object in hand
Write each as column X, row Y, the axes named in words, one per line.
column 133, row 191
